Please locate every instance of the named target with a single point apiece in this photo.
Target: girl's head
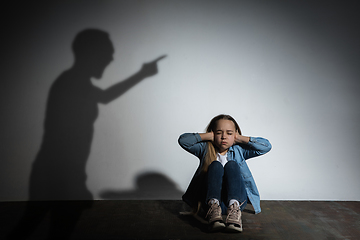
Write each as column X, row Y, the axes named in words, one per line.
column 224, row 128
column 213, row 122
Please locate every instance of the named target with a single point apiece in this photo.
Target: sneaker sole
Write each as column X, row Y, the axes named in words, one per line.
column 233, row 229
column 217, row 226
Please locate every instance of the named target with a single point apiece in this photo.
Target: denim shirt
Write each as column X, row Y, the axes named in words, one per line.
column 257, row 146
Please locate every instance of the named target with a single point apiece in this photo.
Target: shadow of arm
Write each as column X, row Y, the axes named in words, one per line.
column 115, row 91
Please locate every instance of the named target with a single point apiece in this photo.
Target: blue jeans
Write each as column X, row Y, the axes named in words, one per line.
column 225, row 183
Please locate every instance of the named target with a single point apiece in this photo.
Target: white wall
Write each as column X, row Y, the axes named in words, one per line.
column 286, row 71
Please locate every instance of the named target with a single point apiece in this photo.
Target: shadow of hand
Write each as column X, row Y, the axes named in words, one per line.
column 150, row 69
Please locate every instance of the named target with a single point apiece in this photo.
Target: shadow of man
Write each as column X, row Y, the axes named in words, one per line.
column 58, row 172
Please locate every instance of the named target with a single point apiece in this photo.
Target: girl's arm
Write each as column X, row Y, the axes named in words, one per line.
column 194, row 143
column 253, row 146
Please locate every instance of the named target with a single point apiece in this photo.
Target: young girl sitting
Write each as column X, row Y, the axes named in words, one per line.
column 223, row 181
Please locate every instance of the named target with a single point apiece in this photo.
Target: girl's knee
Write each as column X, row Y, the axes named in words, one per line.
column 216, row 165
column 231, row 164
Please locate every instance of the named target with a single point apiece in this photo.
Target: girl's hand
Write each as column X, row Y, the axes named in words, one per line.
column 209, row 136
column 241, row 139
column 237, row 136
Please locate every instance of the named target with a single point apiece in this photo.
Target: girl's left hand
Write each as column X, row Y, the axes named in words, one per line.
column 241, row 139
column 237, row 135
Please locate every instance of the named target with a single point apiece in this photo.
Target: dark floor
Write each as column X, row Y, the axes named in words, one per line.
column 161, row 219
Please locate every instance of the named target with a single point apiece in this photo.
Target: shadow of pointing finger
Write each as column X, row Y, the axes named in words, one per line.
column 149, row 186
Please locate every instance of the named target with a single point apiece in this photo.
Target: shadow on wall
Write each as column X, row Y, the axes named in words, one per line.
column 58, row 172
column 149, row 186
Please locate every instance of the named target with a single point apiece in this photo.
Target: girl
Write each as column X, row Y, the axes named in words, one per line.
column 223, row 181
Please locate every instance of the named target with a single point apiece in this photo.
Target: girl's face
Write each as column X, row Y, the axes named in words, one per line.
column 224, row 135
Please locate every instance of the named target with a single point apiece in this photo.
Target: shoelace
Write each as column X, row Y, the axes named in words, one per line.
column 214, row 210
column 234, row 214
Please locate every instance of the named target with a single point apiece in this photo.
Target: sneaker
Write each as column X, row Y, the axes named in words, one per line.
column 214, row 217
column 233, row 219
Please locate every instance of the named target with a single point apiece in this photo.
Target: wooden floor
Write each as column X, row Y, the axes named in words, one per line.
column 161, row 219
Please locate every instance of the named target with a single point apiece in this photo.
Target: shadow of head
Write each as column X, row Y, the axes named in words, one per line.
column 149, row 185
column 93, row 51
column 153, row 181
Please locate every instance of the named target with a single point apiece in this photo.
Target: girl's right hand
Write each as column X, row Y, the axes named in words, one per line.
column 209, row 136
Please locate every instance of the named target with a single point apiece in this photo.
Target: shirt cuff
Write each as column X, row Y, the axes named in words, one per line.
column 198, row 138
column 252, row 140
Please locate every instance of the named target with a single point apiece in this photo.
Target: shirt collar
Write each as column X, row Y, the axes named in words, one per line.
column 231, row 149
